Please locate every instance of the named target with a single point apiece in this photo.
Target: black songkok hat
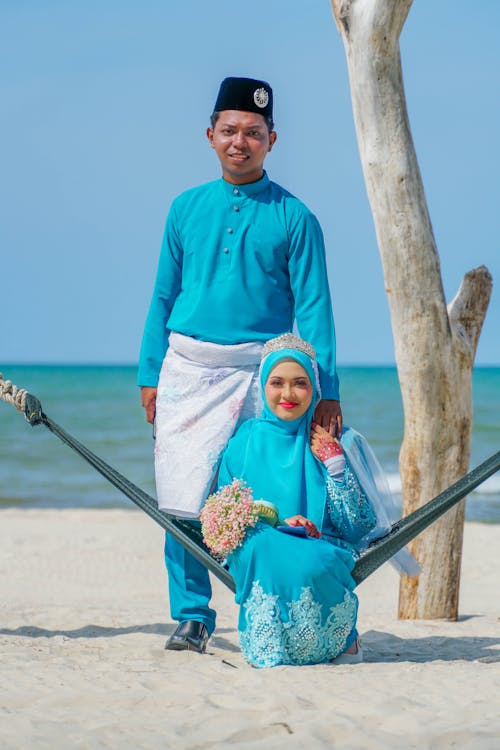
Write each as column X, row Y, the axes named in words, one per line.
column 246, row 95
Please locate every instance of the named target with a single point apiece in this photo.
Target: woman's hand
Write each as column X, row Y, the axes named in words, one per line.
column 309, row 526
column 323, row 445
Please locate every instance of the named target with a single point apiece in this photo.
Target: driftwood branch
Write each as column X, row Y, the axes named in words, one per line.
column 383, row 18
column 467, row 310
column 434, row 345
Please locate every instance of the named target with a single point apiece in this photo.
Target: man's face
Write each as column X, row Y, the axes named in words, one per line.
column 241, row 140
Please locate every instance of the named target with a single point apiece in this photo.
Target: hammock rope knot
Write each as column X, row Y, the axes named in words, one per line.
column 12, row 394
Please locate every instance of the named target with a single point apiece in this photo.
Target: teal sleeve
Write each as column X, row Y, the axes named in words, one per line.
column 313, row 306
column 351, row 513
column 168, row 281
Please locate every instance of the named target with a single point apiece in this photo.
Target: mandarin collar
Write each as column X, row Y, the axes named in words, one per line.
column 248, row 189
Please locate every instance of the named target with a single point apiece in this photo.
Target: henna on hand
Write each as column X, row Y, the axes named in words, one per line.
column 323, row 445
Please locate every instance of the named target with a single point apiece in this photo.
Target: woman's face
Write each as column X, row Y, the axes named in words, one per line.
column 288, row 390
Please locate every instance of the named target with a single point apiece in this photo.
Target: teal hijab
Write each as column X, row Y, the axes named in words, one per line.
column 273, row 456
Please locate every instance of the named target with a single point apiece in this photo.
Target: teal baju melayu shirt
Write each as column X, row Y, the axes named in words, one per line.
column 239, row 263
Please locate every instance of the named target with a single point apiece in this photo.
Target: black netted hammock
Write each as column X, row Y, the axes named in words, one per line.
column 379, row 551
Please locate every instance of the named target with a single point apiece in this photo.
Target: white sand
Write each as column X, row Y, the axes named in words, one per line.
column 85, row 617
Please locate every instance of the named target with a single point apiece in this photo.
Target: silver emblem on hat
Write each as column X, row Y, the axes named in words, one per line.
column 261, row 97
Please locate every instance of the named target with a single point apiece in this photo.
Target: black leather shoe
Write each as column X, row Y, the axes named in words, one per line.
column 188, row 636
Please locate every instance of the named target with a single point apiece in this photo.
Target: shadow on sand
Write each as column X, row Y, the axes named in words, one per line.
column 386, row 647
column 100, row 631
column 380, row 647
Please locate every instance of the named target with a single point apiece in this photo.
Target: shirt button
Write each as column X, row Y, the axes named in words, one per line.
column 236, row 191
column 229, row 230
column 236, row 208
column 226, row 250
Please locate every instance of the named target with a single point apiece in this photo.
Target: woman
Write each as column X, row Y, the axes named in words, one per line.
column 296, row 598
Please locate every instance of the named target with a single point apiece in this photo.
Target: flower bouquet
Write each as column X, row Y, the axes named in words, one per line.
column 228, row 514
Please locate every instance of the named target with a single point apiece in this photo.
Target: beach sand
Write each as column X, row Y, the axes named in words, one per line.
column 85, row 617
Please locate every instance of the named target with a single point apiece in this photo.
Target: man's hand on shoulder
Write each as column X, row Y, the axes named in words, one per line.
column 148, row 400
column 328, row 414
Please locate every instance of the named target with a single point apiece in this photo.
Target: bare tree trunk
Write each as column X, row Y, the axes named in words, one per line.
column 434, row 346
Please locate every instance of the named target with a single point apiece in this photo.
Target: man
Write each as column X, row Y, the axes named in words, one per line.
column 241, row 259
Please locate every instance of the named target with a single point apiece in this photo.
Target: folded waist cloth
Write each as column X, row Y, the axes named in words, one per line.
column 205, row 391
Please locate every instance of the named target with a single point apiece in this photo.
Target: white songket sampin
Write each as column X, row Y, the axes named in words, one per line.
column 205, row 391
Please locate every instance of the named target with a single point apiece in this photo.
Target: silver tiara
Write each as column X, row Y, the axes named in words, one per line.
column 288, row 341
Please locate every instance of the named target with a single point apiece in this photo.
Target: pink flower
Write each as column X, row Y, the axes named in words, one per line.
column 226, row 516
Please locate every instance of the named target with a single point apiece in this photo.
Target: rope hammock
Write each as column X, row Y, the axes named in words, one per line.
column 379, row 551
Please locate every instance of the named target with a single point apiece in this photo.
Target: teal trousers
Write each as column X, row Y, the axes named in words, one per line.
column 189, row 585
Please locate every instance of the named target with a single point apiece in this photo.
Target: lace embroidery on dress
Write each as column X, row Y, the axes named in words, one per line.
column 267, row 641
column 351, row 513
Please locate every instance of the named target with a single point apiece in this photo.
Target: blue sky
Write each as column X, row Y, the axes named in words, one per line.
column 103, row 113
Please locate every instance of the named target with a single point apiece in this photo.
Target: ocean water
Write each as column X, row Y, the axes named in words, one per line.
column 100, row 407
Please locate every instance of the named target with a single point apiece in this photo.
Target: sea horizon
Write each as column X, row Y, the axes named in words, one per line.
column 98, row 403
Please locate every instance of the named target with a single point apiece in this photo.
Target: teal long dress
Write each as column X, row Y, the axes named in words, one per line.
column 297, row 604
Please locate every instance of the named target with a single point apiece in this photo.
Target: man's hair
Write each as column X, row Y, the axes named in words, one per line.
column 269, row 120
